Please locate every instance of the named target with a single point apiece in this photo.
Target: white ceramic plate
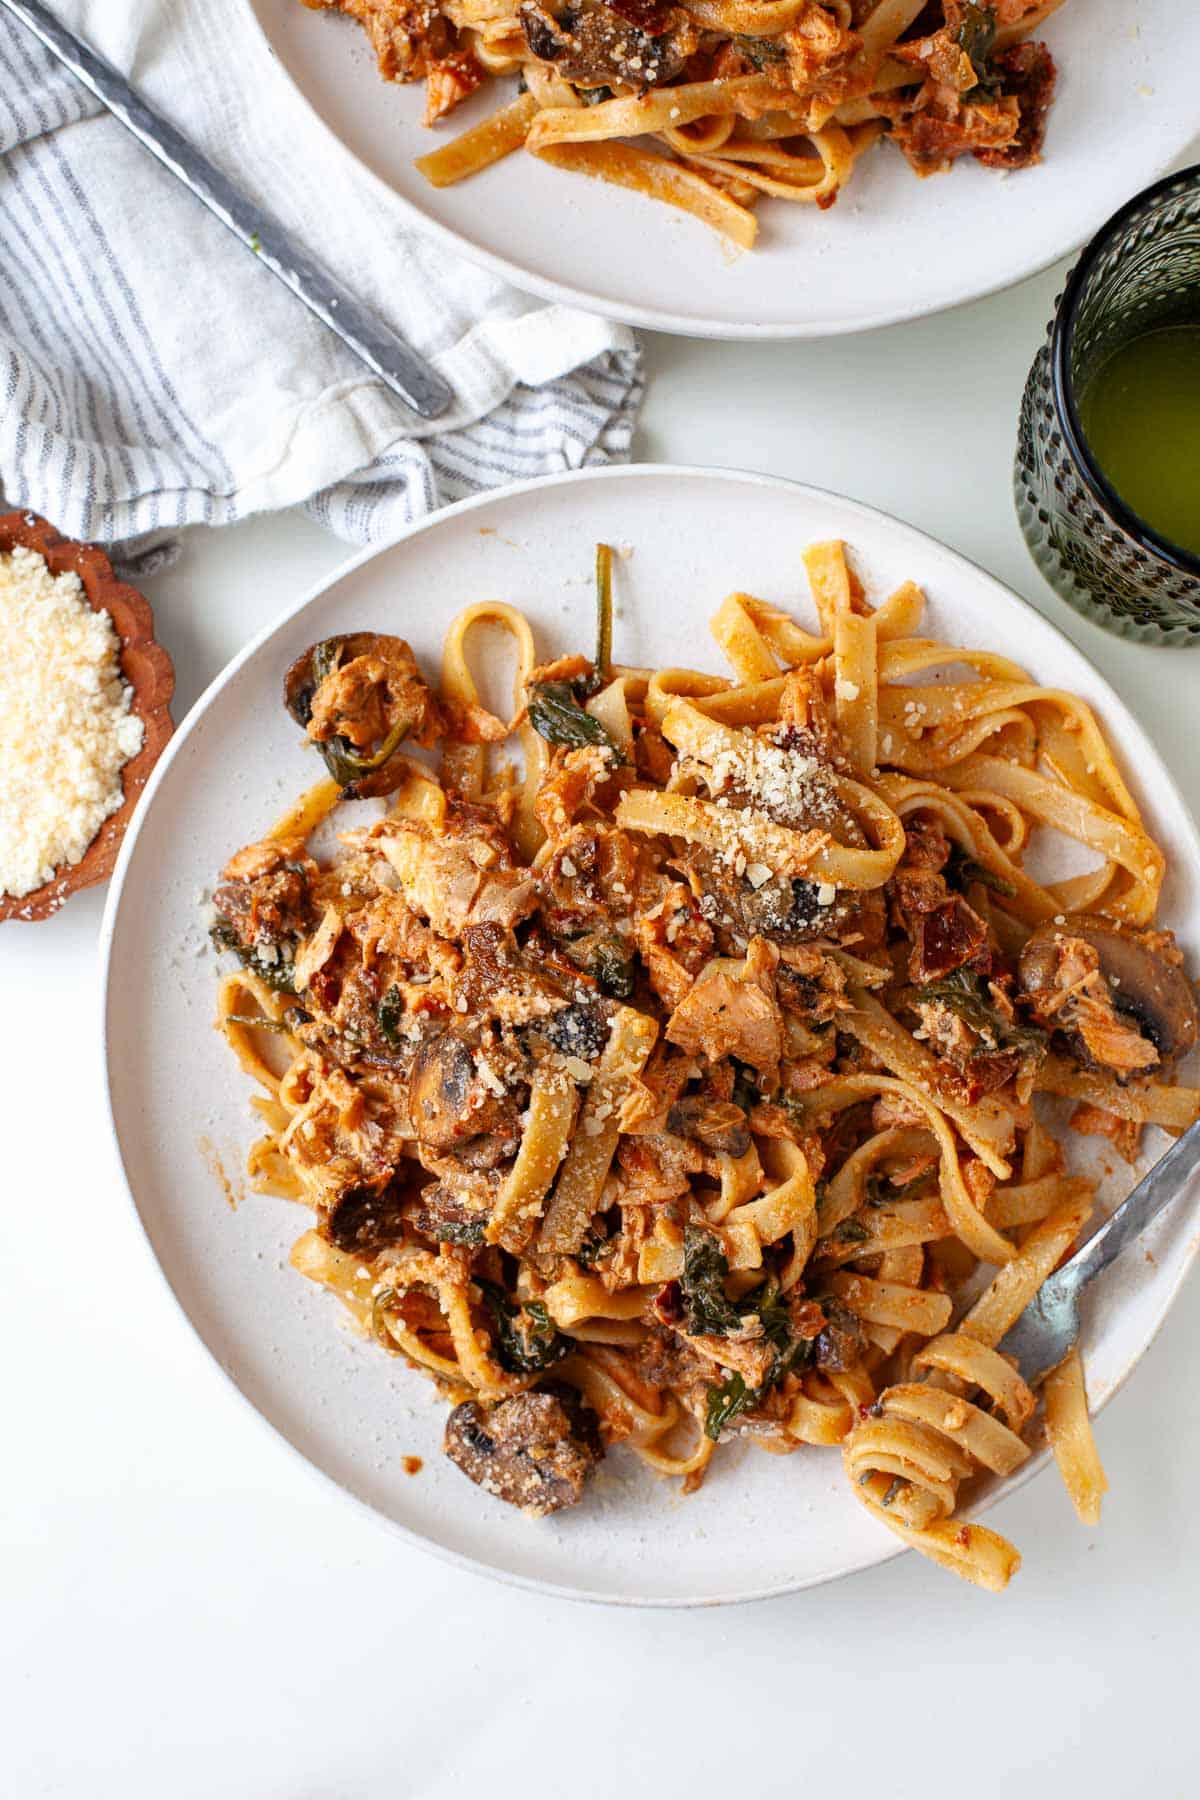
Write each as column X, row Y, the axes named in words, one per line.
column 761, row 1524
column 893, row 248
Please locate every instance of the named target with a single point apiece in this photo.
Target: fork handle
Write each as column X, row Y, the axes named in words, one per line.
column 1157, row 1189
column 383, row 350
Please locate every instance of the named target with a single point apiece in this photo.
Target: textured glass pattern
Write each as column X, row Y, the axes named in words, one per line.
column 1141, row 272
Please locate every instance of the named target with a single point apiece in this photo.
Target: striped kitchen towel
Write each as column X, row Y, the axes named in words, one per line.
column 155, row 376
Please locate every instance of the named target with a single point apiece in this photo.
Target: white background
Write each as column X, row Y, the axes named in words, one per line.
column 185, row 1611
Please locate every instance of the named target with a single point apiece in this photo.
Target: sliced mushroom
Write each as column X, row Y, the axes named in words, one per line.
column 536, row 1451
column 439, row 1088
column 840, row 1343
column 717, row 1125
column 488, row 1149
column 624, row 44
column 783, row 908
column 459, row 1101
column 363, row 1221
column 579, row 1030
column 1143, row 984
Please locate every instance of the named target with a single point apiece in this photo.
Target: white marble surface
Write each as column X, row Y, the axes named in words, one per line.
column 186, row 1613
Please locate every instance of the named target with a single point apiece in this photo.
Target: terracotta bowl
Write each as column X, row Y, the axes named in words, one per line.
column 147, row 668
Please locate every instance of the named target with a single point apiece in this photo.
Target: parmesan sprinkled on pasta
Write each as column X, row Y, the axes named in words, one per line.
column 728, row 1091
column 790, row 788
column 65, row 725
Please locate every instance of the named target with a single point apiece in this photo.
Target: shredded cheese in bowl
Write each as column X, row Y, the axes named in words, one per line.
column 66, row 728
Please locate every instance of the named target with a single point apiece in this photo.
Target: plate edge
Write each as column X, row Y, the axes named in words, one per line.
column 1157, row 769
column 676, row 324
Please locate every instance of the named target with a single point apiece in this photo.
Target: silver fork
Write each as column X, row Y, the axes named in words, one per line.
column 1048, row 1329
column 383, row 350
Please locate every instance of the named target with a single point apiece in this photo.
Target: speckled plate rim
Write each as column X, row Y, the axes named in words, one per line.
column 1139, row 753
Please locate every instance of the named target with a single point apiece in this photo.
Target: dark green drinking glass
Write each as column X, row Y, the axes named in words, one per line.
column 1140, row 273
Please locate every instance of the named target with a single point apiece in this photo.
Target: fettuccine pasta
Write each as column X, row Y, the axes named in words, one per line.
column 666, row 1058
column 729, row 100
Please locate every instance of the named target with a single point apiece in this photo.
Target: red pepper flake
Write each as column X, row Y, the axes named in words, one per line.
column 808, row 1318
column 412, row 1465
column 668, row 1303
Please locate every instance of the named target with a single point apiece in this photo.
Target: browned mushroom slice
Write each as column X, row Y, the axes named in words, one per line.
column 536, row 1451
column 840, row 1343
column 717, row 1125
column 485, row 1153
column 629, row 44
column 441, row 1080
column 1119, row 996
column 784, row 908
column 779, row 907
column 362, row 1221
column 452, row 1096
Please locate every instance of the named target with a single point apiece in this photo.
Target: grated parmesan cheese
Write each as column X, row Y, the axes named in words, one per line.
column 489, row 1077
column 66, row 729
column 791, row 789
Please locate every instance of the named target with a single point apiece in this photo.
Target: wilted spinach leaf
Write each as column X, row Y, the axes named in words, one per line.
column 556, row 715
column 724, row 1403
column 276, row 975
column 962, row 870
column 389, row 1013
column 965, row 994
column 708, row 1312
column 851, row 1232
column 526, row 1337
column 733, row 1396
column 976, row 37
